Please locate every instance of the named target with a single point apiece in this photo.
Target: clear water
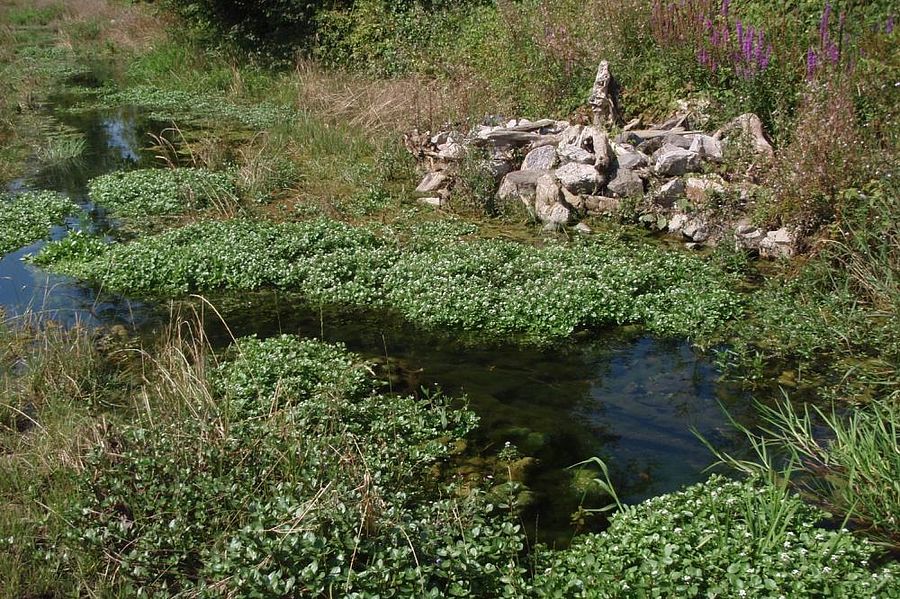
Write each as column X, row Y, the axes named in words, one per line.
column 631, row 399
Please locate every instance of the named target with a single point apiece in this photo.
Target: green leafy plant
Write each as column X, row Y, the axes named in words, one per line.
column 155, row 192
column 292, row 478
column 719, row 538
column 31, row 216
column 487, row 287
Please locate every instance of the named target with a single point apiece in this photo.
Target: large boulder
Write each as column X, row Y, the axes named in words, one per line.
column 543, row 158
column 626, row 184
column 579, row 178
column 673, row 161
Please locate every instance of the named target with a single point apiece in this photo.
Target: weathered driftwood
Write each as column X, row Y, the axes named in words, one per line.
column 603, row 98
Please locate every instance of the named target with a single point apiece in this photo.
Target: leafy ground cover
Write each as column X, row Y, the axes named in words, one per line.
column 720, row 538
column 31, row 216
column 493, row 287
column 197, row 107
column 155, row 192
column 280, row 469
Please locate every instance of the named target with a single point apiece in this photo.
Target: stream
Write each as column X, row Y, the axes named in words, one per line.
column 629, row 398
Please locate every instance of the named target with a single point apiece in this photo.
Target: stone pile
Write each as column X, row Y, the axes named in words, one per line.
column 561, row 171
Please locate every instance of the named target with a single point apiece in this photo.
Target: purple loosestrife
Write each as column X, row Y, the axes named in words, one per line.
column 811, row 60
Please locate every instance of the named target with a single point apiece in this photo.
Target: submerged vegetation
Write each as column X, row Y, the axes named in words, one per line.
column 283, row 466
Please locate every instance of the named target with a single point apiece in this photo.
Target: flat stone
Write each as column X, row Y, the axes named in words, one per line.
column 432, row 182
column 583, row 229
column 543, row 158
column 579, row 178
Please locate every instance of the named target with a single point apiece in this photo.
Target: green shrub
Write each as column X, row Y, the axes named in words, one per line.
column 31, row 216
column 155, row 192
column 717, row 539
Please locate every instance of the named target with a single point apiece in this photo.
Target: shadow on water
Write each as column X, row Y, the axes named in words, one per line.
column 628, row 398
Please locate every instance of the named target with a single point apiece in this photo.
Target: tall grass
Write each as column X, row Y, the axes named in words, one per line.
column 848, row 462
column 56, row 387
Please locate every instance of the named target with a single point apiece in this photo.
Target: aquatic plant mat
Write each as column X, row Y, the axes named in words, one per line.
column 31, row 216
column 433, row 278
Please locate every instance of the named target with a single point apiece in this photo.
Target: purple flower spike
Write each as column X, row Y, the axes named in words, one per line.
column 811, row 60
column 823, row 24
column 889, row 26
column 831, row 52
column 725, row 4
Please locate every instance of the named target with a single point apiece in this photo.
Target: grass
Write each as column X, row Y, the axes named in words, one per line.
column 56, row 386
column 58, row 150
column 847, row 462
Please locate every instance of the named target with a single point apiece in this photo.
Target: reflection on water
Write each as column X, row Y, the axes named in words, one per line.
column 113, row 141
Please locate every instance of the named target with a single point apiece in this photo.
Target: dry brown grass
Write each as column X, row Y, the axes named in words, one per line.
column 132, row 27
column 383, row 106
